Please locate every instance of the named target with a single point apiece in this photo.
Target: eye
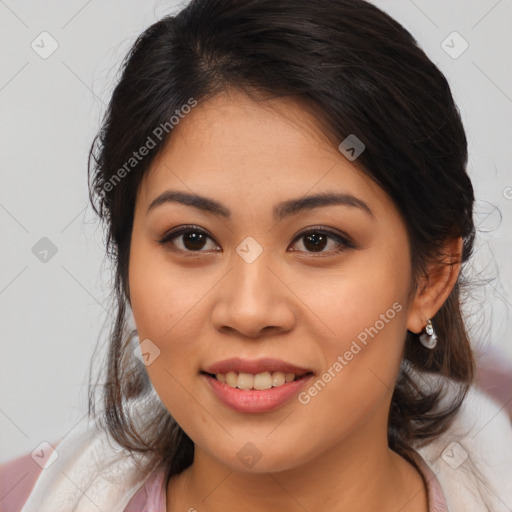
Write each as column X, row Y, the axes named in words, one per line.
column 316, row 239
column 188, row 238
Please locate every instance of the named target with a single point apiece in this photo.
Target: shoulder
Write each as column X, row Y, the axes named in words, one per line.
column 17, row 479
column 88, row 466
column 473, row 458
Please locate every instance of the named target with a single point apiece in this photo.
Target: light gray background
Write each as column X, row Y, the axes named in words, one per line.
column 52, row 312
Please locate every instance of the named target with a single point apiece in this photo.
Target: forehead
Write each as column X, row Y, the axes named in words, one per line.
column 232, row 146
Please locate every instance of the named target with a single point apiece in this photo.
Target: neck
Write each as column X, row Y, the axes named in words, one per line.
column 353, row 475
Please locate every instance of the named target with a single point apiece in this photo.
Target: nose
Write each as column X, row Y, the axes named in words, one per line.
column 252, row 301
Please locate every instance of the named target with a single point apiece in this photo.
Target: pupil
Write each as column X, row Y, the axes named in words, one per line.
column 194, row 240
column 317, row 241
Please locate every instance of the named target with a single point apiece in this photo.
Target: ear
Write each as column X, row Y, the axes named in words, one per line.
column 434, row 288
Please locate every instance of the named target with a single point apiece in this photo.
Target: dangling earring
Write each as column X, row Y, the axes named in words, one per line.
column 429, row 338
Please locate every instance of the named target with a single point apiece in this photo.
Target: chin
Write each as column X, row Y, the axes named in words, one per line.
column 249, row 459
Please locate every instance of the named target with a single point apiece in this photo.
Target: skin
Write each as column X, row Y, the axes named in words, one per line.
column 304, row 307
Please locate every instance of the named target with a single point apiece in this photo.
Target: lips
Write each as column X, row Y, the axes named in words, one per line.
column 255, row 386
column 254, row 367
column 252, row 400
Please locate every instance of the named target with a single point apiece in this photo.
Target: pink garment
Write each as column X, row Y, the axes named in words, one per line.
column 17, row 478
column 436, row 498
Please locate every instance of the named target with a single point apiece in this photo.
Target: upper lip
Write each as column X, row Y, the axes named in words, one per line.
column 255, row 366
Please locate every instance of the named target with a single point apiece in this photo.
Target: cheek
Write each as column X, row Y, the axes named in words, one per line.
column 367, row 313
column 165, row 301
column 163, row 295
column 365, row 300
column 366, row 309
column 162, row 302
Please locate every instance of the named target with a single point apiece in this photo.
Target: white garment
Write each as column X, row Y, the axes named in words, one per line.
column 92, row 473
column 482, row 432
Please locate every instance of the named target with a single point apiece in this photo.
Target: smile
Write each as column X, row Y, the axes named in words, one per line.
column 259, row 381
column 250, row 399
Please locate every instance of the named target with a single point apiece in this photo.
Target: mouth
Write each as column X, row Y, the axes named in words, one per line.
column 255, row 386
column 258, row 381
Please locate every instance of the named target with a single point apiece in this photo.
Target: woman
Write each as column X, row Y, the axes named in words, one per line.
column 287, row 207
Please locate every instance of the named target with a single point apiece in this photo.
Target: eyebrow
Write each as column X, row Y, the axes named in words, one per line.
column 280, row 211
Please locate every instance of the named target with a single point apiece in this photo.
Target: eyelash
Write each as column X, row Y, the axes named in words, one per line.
column 344, row 241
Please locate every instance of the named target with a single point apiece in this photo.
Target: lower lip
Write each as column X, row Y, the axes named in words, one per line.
column 244, row 400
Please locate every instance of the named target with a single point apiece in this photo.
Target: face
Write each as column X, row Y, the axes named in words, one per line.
column 260, row 278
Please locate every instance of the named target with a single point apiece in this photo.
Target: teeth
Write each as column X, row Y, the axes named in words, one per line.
column 231, row 379
column 245, row 381
column 278, row 378
column 260, row 381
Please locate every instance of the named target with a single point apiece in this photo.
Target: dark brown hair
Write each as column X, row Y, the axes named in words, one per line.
column 361, row 73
